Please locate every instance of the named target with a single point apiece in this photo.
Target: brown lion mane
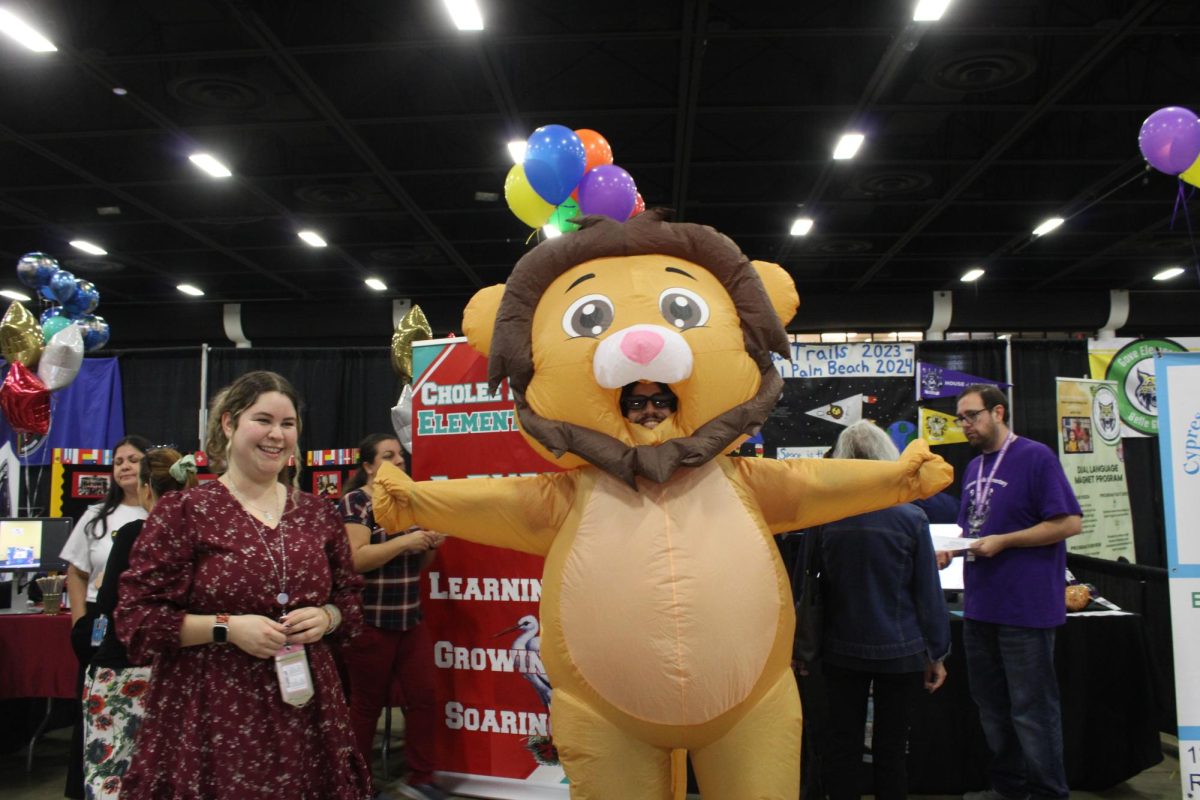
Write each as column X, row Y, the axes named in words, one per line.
column 649, row 233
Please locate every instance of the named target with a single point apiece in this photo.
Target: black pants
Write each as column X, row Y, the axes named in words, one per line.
column 895, row 695
column 81, row 643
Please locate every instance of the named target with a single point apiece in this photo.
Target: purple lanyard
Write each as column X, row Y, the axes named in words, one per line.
column 983, row 492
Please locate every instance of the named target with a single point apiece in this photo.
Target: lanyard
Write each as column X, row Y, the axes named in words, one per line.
column 983, row 491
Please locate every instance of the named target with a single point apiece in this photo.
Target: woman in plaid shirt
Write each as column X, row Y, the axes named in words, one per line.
column 393, row 642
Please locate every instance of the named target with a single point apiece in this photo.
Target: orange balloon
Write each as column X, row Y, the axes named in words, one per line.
column 639, row 205
column 597, row 151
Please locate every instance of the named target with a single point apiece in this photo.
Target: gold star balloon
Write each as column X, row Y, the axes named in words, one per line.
column 413, row 327
column 20, row 336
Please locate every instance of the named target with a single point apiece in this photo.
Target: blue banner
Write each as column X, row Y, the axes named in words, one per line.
column 90, row 413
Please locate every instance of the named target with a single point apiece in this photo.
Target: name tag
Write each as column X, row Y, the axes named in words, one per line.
column 295, row 679
column 99, row 628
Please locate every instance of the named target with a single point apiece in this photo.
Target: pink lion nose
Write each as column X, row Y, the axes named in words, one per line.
column 642, row 346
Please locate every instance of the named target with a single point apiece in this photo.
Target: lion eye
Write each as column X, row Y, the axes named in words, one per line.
column 683, row 308
column 588, row 316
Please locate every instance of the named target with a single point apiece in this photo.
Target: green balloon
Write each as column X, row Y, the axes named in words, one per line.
column 568, row 210
column 53, row 326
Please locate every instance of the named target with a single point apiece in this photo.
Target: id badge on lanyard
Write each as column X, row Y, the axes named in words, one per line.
column 295, row 679
column 99, row 628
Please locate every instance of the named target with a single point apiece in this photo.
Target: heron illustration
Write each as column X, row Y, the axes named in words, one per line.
column 530, row 642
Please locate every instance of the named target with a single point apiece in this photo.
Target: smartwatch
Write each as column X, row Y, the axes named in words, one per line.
column 221, row 629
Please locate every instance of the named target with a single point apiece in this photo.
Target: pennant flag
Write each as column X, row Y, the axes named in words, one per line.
column 846, row 411
column 934, row 381
column 938, row 428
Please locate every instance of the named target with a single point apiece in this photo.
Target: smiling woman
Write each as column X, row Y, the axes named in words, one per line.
column 234, row 591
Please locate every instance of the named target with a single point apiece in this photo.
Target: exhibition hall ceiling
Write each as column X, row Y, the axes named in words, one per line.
column 383, row 128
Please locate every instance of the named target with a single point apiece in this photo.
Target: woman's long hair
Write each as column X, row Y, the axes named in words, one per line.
column 97, row 526
column 368, row 448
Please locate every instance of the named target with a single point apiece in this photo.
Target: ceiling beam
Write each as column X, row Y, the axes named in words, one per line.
column 287, row 64
column 691, row 59
column 1093, row 57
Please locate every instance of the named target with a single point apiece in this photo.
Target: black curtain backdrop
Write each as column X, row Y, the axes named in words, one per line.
column 1035, row 367
column 162, row 394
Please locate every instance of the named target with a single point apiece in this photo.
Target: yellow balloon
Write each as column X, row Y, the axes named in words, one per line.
column 1192, row 174
column 414, row 327
column 20, row 336
column 524, row 201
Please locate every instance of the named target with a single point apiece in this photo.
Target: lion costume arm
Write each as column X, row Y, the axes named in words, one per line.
column 803, row 492
column 516, row 513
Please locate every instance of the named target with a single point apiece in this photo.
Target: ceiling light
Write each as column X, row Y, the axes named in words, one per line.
column 210, row 165
column 465, row 14
column 376, row 284
column 88, row 247
column 11, row 295
column 551, row 231
column 801, row 226
column 516, row 149
column 187, row 288
column 973, row 274
column 847, row 146
column 1165, row 275
column 1047, row 226
column 311, row 238
column 120, row 91
column 16, row 28
column 930, row 10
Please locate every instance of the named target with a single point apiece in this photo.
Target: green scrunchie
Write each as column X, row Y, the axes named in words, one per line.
column 182, row 468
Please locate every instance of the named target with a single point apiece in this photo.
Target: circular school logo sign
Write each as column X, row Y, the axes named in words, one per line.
column 1105, row 422
column 1137, row 392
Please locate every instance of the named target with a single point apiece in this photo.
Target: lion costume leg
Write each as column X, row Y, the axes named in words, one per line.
column 760, row 757
column 602, row 761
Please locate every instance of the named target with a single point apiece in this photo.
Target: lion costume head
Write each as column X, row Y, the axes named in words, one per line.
column 644, row 300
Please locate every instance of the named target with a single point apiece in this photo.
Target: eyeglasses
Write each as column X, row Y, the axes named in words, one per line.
column 638, row 402
column 968, row 417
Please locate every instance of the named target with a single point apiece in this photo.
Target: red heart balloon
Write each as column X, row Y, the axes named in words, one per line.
column 25, row 401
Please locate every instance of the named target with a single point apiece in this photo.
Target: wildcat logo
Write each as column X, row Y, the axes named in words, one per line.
column 1132, row 368
column 1104, row 415
column 1146, row 393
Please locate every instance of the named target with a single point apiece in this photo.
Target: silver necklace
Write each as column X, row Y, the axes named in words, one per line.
column 269, row 516
column 279, row 570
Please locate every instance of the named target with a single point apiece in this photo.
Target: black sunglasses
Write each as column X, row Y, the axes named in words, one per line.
column 638, row 402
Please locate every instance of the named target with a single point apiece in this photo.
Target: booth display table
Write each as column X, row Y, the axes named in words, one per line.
column 1109, row 730
column 36, row 660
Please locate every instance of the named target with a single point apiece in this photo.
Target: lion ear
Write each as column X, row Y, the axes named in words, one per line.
column 479, row 317
column 780, row 288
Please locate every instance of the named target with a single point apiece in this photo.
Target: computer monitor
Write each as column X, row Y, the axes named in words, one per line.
column 32, row 544
column 951, row 576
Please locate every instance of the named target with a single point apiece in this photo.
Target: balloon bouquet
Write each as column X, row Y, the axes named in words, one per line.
column 567, row 174
column 55, row 347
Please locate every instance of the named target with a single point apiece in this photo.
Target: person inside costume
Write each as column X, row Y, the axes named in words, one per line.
column 114, row 695
column 647, row 404
column 235, row 590
column 394, row 644
column 886, row 631
column 666, row 613
column 86, row 553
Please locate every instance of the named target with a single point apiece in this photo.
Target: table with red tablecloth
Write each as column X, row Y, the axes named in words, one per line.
column 36, row 659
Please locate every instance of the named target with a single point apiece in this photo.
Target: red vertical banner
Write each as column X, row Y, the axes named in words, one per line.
column 481, row 603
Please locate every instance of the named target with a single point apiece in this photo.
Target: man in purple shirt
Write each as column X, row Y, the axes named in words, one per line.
column 1018, row 507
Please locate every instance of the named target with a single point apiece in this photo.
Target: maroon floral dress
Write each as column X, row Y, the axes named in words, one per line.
column 215, row 724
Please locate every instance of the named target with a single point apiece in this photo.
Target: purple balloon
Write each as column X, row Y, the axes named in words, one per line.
column 1170, row 139
column 608, row 190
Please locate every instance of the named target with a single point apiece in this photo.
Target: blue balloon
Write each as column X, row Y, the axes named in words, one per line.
column 84, row 301
column 95, row 332
column 51, row 313
column 35, row 269
column 62, row 286
column 555, row 159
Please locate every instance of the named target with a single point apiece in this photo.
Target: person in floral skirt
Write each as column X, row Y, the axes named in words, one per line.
column 114, row 689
